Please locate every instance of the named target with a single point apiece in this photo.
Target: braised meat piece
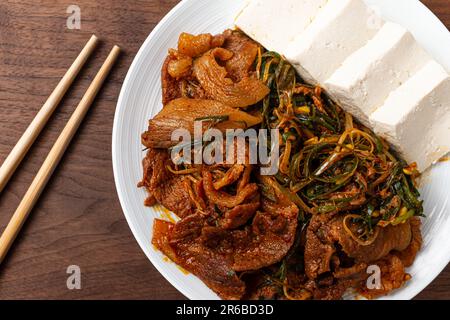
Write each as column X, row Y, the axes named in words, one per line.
column 244, row 51
column 239, row 215
column 215, row 80
column 176, row 79
column 183, row 112
column 330, row 288
column 393, row 276
column 408, row 255
column 166, row 188
column 269, row 242
column 196, row 45
column 388, row 238
column 179, row 243
column 325, row 232
column 263, row 243
column 225, row 199
column 318, row 249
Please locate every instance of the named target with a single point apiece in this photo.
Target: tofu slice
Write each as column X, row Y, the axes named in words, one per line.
column 340, row 28
column 369, row 75
column 275, row 23
column 415, row 118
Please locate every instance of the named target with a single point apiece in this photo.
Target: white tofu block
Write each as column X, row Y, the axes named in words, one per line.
column 369, row 75
column 275, row 23
column 415, row 118
column 340, row 28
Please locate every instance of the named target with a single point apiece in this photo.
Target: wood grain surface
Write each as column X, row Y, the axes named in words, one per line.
column 78, row 220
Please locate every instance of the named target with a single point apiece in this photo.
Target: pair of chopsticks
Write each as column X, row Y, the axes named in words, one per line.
column 23, row 145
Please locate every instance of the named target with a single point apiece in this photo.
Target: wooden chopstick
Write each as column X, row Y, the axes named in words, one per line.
column 54, row 156
column 29, row 136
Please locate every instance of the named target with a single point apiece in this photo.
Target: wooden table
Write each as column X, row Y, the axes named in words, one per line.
column 78, row 220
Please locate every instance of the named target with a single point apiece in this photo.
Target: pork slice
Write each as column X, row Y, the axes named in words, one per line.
column 393, row 276
column 168, row 189
column 389, row 238
column 326, row 234
column 239, row 215
column 266, row 241
column 171, row 88
column 214, row 269
column 183, row 112
column 333, row 290
column 176, row 242
column 319, row 247
column 249, row 250
column 244, row 51
column 408, row 255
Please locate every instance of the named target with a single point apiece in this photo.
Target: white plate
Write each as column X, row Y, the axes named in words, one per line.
column 140, row 100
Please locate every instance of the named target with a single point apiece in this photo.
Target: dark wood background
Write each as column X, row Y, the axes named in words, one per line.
column 78, row 220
